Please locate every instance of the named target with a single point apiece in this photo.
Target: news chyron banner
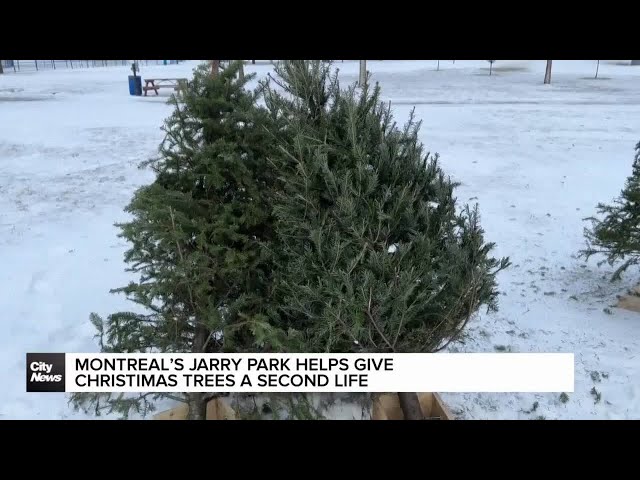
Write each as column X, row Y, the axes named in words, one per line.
column 407, row 372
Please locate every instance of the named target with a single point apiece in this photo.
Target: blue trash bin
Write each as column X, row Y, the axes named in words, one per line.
column 135, row 85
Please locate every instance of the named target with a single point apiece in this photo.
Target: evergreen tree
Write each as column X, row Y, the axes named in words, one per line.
column 373, row 254
column 617, row 234
column 198, row 238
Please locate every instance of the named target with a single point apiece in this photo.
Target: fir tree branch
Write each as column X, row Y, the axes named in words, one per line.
column 191, row 298
column 466, row 319
column 176, row 398
column 338, row 317
column 357, row 260
column 375, row 324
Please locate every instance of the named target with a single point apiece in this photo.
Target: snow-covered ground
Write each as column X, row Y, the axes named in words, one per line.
column 537, row 158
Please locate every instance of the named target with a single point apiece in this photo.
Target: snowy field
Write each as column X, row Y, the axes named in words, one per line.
column 537, row 158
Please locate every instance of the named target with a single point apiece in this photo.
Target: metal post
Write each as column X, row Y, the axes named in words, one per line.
column 547, row 73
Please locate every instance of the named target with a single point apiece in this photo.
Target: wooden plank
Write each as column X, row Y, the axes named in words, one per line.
column 217, row 409
column 166, row 79
column 631, row 301
column 387, row 407
column 178, row 413
column 440, row 408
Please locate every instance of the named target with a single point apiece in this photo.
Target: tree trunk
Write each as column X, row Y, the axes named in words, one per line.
column 1, row 69
column 197, row 406
column 410, row 406
column 363, row 73
column 438, row 68
column 597, row 68
column 241, row 71
column 547, row 73
column 253, row 62
column 197, row 400
column 215, row 68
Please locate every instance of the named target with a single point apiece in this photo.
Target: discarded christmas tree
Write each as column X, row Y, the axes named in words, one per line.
column 373, row 254
column 198, row 238
column 617, row 234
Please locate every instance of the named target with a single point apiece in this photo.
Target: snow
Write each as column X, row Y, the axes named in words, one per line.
column 536, row 158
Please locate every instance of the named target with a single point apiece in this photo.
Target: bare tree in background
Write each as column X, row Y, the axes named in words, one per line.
column 1, row 69
column 241, row 70
column 438, row 67
column 597, row 68
column 547, row 73
column 490, row 66
column 363, row 73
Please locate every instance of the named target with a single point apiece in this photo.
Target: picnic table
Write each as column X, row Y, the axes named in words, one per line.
column 157, row 83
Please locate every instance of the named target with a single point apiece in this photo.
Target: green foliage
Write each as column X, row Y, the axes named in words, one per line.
column 198, row 235
column 617, row 234
column 316, row 224
column 373, row 254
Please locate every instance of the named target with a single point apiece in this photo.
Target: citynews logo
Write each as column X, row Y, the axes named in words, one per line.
column 45, row 372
